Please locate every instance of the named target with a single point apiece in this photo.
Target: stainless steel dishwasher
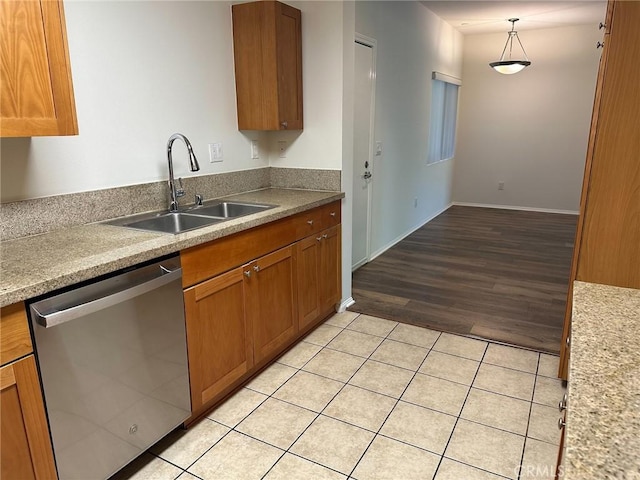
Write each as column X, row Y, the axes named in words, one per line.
column 113, row 360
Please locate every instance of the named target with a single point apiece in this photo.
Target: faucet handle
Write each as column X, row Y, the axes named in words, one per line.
column 180, row 191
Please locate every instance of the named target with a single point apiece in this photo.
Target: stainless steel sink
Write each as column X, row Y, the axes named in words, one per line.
column 191, row 219
column 229, row 209
column 166, row 222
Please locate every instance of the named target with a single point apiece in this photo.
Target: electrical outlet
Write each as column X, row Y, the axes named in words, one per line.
column 378, row 149
column 255, row 150
column 500, row 185
column 215, row 152
column 282, row 148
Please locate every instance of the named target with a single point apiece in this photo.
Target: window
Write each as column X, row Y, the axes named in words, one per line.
column 444, row 108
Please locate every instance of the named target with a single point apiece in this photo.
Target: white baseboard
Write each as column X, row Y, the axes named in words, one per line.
column 512, row 207
column 380, row 251
column 345, row 304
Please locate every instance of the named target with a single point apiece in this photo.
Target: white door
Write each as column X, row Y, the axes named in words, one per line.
column 362, row 155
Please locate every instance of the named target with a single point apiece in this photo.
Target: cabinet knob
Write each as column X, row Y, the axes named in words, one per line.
column 284, row 124
column 562, row 405
column 601, row 26
column 319, row 239
column 324, row 236
column 600, row 45
column 247, row 274
column 256, row 268
column 333, row 214
column 561, row 423
column 310, row 222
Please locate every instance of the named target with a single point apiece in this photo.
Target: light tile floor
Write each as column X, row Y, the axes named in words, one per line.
column 367, row 398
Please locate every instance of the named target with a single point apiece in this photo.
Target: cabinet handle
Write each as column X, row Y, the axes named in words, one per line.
column 247, row 274
column 333, row 214
column 284, row 124
column 561, row 423
column 568, row 342
column 601, row 26
column 310, row 222
column 600, row 45
column 256, row 268
column 562, row 405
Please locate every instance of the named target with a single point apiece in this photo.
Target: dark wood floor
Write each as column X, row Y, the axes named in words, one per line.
column 490, row 273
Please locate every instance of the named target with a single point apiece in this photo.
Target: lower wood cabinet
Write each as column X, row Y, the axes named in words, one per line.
column 219, row 339
column 26, row 451
column 271, row 302
column 240, row 320
column 318, row 275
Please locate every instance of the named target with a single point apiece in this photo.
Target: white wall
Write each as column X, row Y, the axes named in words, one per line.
column 144, row 70
column 412, row 43
column 530, row 129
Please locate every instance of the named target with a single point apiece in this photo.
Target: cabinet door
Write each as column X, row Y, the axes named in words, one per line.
column 36, row 94
column 26, row 446
column 329, row 269
column 289, row 55
column 307, row 259
column 271, row 302
column 610, row 242
column 218, row 335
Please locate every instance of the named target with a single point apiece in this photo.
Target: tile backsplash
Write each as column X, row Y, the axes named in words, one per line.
column 41, row 215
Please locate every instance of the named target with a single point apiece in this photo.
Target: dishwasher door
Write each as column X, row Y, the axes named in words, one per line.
column 113, row 361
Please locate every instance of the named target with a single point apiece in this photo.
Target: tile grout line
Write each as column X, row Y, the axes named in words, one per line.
column 526, row 433
column 459, row 414
column 376, row 434
column 336, row 394
column 342, row 329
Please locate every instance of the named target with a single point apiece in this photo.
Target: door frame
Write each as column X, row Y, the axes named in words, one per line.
column 373, row 44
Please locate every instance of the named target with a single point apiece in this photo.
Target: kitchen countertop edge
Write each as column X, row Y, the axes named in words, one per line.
column 36, row 265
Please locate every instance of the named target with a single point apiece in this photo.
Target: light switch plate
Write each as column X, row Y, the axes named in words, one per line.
column 215, row 152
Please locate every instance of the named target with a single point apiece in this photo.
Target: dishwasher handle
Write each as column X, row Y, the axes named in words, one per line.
column 161, row 275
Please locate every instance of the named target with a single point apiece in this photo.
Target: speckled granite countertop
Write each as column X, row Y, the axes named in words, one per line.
column 603, row 412
column 32, row 266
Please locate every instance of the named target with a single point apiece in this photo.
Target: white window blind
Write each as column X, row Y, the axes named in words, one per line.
column 444, row 108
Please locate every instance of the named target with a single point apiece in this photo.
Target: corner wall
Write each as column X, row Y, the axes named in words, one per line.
column 529, row 130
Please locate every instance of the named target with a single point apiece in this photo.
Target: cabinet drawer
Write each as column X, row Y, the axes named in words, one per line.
column 318, row 219
column 15, row 341
column 213, row 258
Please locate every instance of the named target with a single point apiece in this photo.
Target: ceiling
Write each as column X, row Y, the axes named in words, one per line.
column 482, row 16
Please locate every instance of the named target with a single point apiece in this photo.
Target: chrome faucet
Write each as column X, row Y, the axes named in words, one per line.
column 193, row 164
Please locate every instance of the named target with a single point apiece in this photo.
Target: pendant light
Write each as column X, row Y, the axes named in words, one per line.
column 508, row 65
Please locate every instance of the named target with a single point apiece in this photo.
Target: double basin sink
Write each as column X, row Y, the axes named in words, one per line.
column 190, row 219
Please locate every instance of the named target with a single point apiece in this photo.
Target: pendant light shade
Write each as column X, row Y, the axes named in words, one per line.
column 507, row 65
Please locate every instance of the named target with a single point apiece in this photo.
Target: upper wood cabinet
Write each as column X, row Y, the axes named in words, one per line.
column 36, row 93
column 607, row 247
column 267, row 48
